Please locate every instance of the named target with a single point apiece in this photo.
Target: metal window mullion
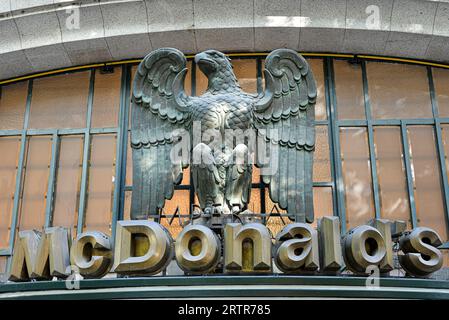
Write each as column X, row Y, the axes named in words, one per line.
column 192, row 191
column 372, row 150
column 263, row 207
column 440, row 144
column 51, row 181
column 10, row 132
column 86, row 156
column 122, row 132
column 126, row 132
column 19, row 173
column 408, row 169
column 331, row 101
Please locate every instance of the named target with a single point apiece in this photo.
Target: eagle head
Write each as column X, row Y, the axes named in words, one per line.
column 218, row 69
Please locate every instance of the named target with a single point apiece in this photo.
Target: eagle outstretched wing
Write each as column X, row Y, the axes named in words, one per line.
column 159, row 108
column 284, row 116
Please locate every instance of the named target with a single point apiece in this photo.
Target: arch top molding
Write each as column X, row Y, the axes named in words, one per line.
column 42, row 35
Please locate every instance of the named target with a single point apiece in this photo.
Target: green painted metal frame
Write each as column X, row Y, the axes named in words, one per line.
column 372, row 151
column 331, row 102
column 409, row 175
column 223, row 286
column 86, row 155
column 126, row 91
column 120, row 149
column 439, row 141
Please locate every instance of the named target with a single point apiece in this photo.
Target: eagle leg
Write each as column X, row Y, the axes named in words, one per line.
column 206, row 178
column 238, row 179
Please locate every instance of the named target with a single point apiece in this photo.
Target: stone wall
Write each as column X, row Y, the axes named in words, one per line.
column 40, row 35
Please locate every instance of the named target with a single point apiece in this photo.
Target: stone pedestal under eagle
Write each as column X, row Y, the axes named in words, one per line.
column 282, row 115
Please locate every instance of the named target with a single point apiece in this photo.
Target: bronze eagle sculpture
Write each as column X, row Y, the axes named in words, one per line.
column 282, row 115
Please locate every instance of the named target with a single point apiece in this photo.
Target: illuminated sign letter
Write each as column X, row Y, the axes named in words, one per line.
column 42, row 255
column 198, row 249
column 297, row 248
column 247, row 248
column 363, row 246
column 331, row 257
column 141, row 247
column 420, row 256
column 91, row 254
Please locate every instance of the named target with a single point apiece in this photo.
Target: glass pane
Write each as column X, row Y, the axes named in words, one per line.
column 9, row 148
column 322, row 203
column 391, row 174
column 68, row 180
column 270, row 207
column 12, row 105
column 398, row 91
column 244, row 69
column 106, row 104
column 441, row 83
column 255, row 201
column 349, row 90
column 60, row 101
column 256, row 175
column 246, row 73
column 174, row 226
column 321, row 161
column 318, row 73
column 180, row 202
column 426, row 176
column 100, row 190
column 356, row 176
column 186, row 176
column 3, row 263
column 127, row 206
column 34, row 189
column 445, row 139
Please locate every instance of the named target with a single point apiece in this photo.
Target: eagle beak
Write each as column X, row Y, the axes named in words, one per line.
column 206, row 64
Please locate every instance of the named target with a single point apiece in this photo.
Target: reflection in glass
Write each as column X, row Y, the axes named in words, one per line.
column 356, row 176
column 349, row 90
column 60, row 101
column 9, row 148
column 100, row 190
column 391, row 175
column 426, row 179
column 398, row 91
